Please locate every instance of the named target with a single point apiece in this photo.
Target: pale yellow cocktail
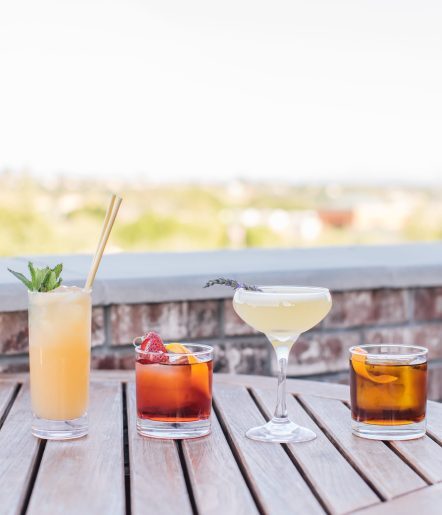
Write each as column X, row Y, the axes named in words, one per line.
column 282, row 313
column 59, row 351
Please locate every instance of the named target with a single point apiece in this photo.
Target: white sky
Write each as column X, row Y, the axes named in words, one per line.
column 173, row 89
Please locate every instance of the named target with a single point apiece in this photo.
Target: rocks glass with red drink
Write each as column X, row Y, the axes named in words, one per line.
column 173, row 388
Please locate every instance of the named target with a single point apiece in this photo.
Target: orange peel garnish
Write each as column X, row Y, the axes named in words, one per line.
column 358, row 362
column 179, row 348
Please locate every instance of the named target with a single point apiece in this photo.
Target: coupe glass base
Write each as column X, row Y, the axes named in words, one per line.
column 281, row 431
column 377, row 432
column 60, row 429
column 173, row 430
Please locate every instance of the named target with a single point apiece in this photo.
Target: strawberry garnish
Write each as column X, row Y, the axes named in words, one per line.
column 153, row 343
column 151, row 340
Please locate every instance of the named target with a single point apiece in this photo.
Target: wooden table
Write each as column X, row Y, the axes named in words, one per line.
column 115, row 471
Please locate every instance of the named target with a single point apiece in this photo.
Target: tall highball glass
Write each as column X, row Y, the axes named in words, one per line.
column 59, row 355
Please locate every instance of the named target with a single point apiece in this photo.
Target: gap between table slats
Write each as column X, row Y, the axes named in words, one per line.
column 383, row 469
column 16, row 441
column 267, row 414
column 434, row 421
column 423, row 455
column 126, row 450
column 33, row 476
column 218, row 483
column 276, row 482
column 85, row 475
column 339, row 486
column 157, row 479
column 8, row 394
column 426, row 501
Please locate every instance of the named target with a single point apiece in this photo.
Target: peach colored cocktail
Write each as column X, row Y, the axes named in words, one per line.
column 59, row 352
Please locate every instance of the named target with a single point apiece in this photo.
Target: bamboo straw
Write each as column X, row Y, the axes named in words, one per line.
column 111, row 214
column 103, row 230
column 105, row 221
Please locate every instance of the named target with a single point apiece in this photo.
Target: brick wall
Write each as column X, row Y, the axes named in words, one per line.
column 412, row 316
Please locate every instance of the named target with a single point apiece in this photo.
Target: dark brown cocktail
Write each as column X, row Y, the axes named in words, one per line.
column 388, row 385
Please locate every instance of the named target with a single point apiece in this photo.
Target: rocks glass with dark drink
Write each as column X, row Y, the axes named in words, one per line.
column 388, row 391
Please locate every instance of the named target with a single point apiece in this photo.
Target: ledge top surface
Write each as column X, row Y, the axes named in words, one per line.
column 160, row 277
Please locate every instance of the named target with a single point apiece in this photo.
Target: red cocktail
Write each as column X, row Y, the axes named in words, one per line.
column 174, row 390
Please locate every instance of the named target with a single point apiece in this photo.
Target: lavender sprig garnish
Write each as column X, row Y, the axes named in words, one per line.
column 232, row 283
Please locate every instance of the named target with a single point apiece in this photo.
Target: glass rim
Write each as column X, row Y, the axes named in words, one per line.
column 78, row 289
column 206, row 349
column 285, row 289
column 414, row 350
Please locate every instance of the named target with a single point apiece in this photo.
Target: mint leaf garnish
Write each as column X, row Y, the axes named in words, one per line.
column 23, row 279
column 32, row 271
column 230, row 282
column 42, row 279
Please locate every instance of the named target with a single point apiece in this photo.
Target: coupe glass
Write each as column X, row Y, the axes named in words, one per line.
column 282, row 313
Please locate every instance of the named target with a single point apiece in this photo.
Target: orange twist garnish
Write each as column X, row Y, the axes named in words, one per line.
column 179, row 348
column 359, row 365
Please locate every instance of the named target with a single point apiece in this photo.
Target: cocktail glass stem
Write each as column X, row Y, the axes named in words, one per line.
column 282, row 354
column 281, row 406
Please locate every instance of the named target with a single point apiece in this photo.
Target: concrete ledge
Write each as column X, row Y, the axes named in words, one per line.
column 131, row 278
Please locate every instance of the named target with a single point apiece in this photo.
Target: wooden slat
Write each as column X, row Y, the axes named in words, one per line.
column 427, row 501
column 157, row 479
column 6, row 392
column 387, row 472
column 8, row 377
column 297, row 386
column 434, row 420
column 302, row 386
column 334, row 479
column 18, row 451
column 86, row 475
column 217, row 483
column 96, row 375
column 277, row 484
column 121, row 376
column 424, row 455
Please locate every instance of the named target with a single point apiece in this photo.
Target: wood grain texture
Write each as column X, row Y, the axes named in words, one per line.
column 301, row 386
column 424, row 455
column 217, row 482
column 122, row 376
column 387, row 472
column 434, row 420
column 276, row 482
column 340, row 487
column 18, row 451
column 427, row 501
column 6, row 392
column 157, row 479
column 86, row 475
column 13, row 377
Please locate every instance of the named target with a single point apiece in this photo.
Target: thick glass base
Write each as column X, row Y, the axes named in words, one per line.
column 173, row 430
column 376, row 432
column 281, row 430
column 60, row 429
